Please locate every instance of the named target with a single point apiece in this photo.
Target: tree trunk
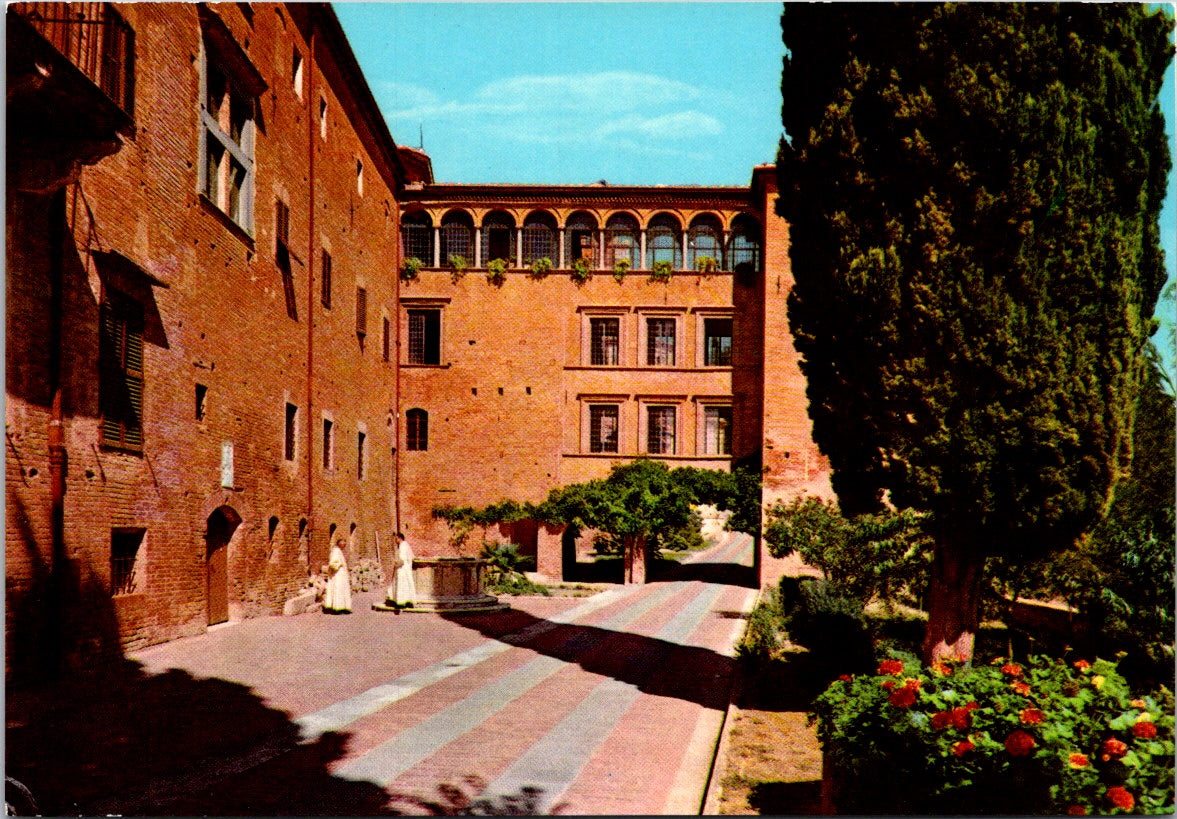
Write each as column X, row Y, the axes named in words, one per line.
column 954, row 598
column 635, row 558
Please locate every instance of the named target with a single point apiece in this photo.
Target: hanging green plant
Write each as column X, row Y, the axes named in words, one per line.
column 581, row 272
column 660, row 271
column 496, row 272
column 541, row 267
column 706, row 265
column 620, row 269
column 458, row 265
column 411, row 269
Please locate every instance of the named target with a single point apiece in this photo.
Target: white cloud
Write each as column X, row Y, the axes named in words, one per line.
column 681, row 125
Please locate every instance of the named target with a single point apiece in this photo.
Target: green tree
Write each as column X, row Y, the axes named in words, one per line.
column 973, row 192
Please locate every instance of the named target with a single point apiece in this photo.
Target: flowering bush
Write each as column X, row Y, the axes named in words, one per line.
column 1040, row 737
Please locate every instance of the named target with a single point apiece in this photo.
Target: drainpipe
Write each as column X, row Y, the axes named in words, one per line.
column 311, row 562
column 58, row 458
column 396, row 399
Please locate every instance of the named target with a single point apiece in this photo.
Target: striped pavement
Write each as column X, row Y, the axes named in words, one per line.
column 612, row 705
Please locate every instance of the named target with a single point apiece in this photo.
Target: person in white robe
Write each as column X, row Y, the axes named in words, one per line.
column 404, row 588
column 337, row 597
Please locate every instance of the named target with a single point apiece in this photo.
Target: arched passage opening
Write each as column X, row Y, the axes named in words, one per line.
column 221, row 525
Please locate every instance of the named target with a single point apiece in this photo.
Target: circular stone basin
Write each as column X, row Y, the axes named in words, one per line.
column 450, row 585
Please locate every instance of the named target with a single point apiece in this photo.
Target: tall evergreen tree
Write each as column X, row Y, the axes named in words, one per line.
column 974, row 191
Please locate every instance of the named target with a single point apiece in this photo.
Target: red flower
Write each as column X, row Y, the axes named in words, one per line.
column 1120, row 798
column 1076, row 810
column 1019, row 743
column 1079, row 761
column 963, row 747
column 1032, row 716
column 912, row 683
column 1082, row 665
column 1022, row 688
column 1144, row 730
column 960, row 717
column 888, row 684
column 1113, row 749
column 972, row 706
column 845, row 677
column 902, row 697
column 890, row 667
column 941, row 720
column 942, row 668
column 1013, row 669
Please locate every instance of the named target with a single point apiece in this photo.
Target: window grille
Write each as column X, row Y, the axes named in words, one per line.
column 660, row 430
column 704, row 240
column 498, row 240
column 124, row 554
column 664, row 242
column 457, row 240
column 121, row 376
column 622, row 244
column 717, row 342
column 717, row 431
column 606, row 341
column 660, row 337
column 539, row 242
column 417, row 429
column 418, row 242
column 603, row 427
column 744, row 246
column 424, row 336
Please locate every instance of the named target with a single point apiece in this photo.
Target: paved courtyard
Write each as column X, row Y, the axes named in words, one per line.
column 610, row 704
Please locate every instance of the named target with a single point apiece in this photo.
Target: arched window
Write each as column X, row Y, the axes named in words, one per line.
column 664, row 241
column 744, row 246
column 457, row 236
column 417, row 237
column 621, row 240
column 580, row 237
column 704, row 241
column 498, row 237
column 539, row 237
column 417, row 432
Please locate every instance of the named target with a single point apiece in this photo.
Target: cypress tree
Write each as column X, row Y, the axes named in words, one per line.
column 974, row 192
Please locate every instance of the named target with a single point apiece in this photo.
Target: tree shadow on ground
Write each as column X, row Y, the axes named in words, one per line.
column 786, row 798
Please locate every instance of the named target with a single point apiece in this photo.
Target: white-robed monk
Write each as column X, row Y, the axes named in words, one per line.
column 404, row 588
column 337, row 597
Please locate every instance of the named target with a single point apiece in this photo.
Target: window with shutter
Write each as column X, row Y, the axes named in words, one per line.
column 325, row 280
column 282, row 255
column 361, row 312
column 121, row 372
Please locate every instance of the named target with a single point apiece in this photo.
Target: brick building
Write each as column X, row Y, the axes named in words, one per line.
column 213, row 368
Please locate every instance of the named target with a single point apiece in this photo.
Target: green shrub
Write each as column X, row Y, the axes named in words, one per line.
column 496, row 272
column 762, row 636
column 581, row 272
column 411, row 269
column 1039, row 737
column 621, row 267
column 502, row 570
column 458, row 265
column 661, row 271
column 541, row 267
column 825, row 618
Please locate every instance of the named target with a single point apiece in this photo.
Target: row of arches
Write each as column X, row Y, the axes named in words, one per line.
column 622, row 237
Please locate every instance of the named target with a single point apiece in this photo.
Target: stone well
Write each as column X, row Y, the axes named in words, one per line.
column 450, row 585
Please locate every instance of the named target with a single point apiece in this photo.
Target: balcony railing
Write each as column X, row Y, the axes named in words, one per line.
column 95, row 38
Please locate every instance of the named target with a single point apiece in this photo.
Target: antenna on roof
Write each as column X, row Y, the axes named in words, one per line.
column 420, row 137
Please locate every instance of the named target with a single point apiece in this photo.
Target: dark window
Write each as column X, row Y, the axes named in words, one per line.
column 291, row 431
column 201, row 401
column 660, row 333
column 361, row 442
column 282, row 256
column 424, row 336
column 717, row 342
column 124, row 555
column 325, row 280
column 328, row 444
column 121, row 372
column 417, row 238
column 606, row 340
column 417, row 423
column 386, row 342
column 361, row 312
column 603, row 424
column 660, row 430
column 717, row 431
column 226, row 145
column 664, row 241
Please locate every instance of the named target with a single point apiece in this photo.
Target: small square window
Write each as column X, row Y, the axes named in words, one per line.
column 124, row 560
column 717, row 342
column 417, row 430
column 603, row 427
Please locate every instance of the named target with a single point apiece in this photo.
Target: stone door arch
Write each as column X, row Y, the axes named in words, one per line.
column 222, row 523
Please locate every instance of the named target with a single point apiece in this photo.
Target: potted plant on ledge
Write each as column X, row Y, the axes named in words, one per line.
column 411, row 269
column 660, row 271
column 458, row 265
column 621, row 267
column 581, row 272
column 706, row 265
column 541, row 267
column 496, row 272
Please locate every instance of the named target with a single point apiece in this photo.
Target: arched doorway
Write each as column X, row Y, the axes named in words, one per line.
column 222, row 523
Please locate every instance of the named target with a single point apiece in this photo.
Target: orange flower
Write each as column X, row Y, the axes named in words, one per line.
column 1021, row 687
column 1032, row 716
column 845, row 678
column 1120, row 798
column 890, row 667
column 1076, row 810
column 972, row 706
column 888, row 684
column 942, row 668
column 1113, row 749
column 1079, row 761
column 1144, row 730
column 1019, row 743
column 1082, row 665
column 902, row 697
column 1141, row 704
column 912, row 683
column 1013, row 669
column 963, row 747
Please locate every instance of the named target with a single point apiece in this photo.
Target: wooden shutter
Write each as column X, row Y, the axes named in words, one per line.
column 121, row 372
column 325, row 280
column 361, row 311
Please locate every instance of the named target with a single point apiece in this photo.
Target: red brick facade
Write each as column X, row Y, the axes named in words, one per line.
column 199, row 214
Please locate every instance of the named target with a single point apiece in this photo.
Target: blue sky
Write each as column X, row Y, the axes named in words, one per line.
column 570, row 93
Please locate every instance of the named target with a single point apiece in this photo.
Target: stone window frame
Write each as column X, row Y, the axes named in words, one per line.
column 587, row 316
column 588, row 402
column 417, row 430
column 702, row 316
column 675, row 314
column 411, row 306
column 646, row 403
column 702, row 405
